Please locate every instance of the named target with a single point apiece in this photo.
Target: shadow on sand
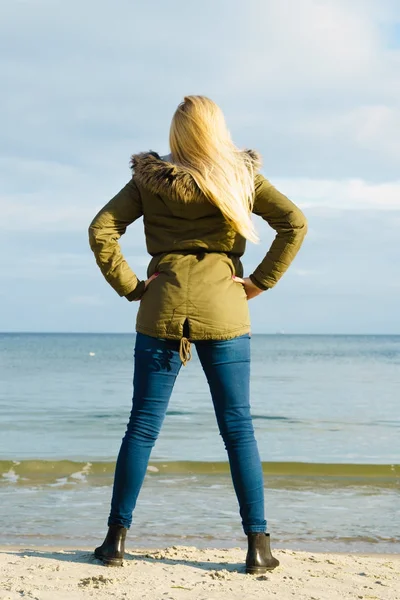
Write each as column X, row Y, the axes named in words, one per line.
column 87, row 557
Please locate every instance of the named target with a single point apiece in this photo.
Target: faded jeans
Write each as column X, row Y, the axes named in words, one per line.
column 226, row 364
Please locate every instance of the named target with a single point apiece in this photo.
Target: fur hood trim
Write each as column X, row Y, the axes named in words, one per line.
column 161, row 176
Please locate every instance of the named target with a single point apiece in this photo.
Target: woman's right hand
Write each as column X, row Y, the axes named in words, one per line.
column 250, row 288
column 151, row 278
column 146, row 283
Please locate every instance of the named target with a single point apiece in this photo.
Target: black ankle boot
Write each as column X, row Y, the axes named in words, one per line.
column 111, row 552
column 259, row 558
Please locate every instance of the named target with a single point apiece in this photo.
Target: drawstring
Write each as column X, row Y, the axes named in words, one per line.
column 184, row 351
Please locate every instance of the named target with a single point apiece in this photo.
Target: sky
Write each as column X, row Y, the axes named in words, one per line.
column 313, row 85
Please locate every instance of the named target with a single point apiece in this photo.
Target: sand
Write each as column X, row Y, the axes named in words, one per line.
column 181, row 572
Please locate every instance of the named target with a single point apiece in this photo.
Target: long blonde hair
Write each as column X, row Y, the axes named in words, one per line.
column 201, row 142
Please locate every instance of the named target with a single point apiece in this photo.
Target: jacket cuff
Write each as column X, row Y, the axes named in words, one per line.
column 258, row 283
column 136, row 293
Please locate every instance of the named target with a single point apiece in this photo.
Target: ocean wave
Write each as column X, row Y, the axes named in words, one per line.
column 68, row 472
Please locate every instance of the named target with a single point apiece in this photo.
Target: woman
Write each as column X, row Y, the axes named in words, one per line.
column 196, row 204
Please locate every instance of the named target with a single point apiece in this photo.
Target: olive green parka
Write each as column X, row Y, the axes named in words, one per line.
column 194, row 250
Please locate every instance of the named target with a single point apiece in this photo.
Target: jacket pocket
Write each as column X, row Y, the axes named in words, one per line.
column 153, row 265
column 236, row 266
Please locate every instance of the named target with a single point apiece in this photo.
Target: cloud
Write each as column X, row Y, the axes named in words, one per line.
column 138, row 260
column 342, row 195
column 85, row 300
column 28, row 212
column 45, row 266
column 313, row 43
column 47, row 195
column 323, row 87
column 371, row 128
column 315, row 85
column 305, row 272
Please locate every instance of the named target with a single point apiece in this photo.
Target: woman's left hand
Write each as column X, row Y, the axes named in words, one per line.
column 250, row 288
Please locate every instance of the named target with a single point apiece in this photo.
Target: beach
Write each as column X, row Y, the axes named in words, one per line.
column 187, row 572
column 330, row 460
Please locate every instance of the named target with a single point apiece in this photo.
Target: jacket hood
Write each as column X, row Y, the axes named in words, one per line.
column 163, row 177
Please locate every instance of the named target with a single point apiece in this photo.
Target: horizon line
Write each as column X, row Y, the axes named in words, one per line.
column 277, row 333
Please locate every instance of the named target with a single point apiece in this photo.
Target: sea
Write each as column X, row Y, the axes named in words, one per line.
column 327, row 421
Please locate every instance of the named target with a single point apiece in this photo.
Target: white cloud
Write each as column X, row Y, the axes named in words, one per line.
column 138, row 260
column 372, row 128
column 305, row 272
column 61, row 261
column 39, row 212
column 315, row 84
column 321, row 87
column 50, row 265
column 342, row 195
column 46, row 195
column 85, row 300
column 312, row 42
column 30, row 212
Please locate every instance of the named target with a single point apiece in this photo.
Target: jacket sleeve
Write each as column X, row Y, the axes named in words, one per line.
column 104, row 232
column 291, row 227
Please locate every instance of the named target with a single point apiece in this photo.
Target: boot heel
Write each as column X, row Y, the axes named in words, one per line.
column 111, row 552
column 259, row 558
column 259, row 570
column 108, row 562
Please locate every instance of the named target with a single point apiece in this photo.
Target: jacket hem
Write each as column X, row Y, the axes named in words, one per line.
column 211, row 336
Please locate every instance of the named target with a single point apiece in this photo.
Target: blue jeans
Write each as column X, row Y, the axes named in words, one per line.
column 226, row 364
